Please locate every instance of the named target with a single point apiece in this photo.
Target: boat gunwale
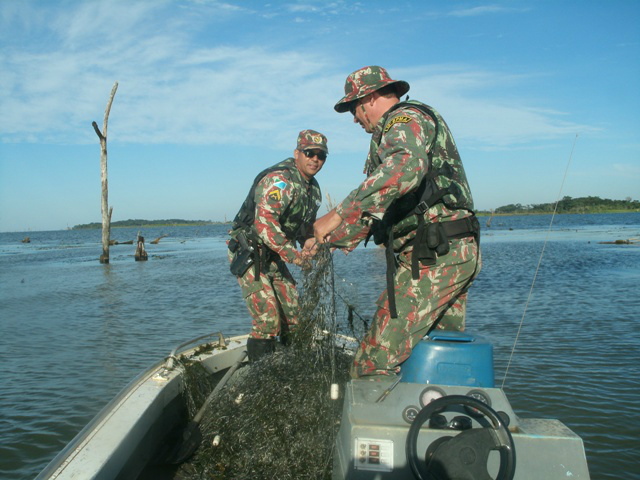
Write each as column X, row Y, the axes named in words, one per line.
column 52, row 469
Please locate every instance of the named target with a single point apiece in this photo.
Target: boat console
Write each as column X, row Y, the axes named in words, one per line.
column 443, row 418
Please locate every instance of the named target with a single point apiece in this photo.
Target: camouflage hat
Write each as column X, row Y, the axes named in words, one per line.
column 312, row 139
column 365, row 81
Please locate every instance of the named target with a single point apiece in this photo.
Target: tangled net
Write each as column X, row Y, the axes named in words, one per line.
column 276, row 419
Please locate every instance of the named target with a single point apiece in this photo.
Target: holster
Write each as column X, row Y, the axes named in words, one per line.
column 432, row 240
column 243, row 255
column 437, row 239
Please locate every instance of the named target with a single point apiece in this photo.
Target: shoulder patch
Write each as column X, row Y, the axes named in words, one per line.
column 398, row 119
column 275, row 195
column 275, row 180
column 281, row 184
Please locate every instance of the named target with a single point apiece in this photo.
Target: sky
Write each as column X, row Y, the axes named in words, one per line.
column 542, row 98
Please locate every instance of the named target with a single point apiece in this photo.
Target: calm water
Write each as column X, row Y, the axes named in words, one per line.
column 73, row 332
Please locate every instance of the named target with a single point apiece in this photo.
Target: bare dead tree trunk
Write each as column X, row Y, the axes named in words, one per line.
column 106, row 211
column 141, row 253
column 490, row 218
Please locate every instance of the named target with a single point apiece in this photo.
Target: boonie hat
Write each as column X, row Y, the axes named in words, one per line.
column 365, row 81
column 312, row 139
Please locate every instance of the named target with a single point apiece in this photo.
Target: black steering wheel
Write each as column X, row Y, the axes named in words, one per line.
column 465, row 455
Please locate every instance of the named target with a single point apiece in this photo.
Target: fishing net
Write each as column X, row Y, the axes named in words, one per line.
column 276, row 419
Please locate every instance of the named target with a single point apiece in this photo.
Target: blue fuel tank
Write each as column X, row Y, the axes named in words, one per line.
column 451, row 358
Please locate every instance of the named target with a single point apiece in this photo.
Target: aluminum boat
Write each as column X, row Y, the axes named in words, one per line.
column 441, row 418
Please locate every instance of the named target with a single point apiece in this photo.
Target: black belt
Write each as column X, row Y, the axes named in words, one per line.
column 462, row 228
column 456, row 229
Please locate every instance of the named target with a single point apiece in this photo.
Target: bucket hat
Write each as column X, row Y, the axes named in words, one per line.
column 364, row 81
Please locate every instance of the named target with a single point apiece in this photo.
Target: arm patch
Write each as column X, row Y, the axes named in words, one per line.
column 275, row 195
column 274, row 192
column 398, row 119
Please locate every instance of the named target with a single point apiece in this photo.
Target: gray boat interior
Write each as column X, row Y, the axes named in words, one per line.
column 416, row 426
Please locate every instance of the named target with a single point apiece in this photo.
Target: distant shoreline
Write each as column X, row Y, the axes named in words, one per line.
column 158, row 223
column 197, row 223
column 149, row 224
column 484, row 213
column 568, row 205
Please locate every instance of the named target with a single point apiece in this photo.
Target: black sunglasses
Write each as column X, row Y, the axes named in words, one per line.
column 353, row 106
column 315, row 153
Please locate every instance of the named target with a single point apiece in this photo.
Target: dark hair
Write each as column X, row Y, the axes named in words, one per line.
column 388, row 91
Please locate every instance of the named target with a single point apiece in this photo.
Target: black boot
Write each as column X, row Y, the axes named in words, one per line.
column 285, row 339
column 259, row 347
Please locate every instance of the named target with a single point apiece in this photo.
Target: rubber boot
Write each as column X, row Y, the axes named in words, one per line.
column 285, row 339
column 259, row 347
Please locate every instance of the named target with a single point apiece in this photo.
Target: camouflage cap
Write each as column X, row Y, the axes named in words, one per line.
column 312, row 139
column 365, row 81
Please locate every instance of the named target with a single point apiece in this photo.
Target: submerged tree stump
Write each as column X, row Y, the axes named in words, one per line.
column 155, row 242
column 489, row 221
column 141, row 254
column 115, row 242
column 619, row 242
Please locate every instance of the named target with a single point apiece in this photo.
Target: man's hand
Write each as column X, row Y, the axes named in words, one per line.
column 310, row 247
column 325, row 225
column 303, row 261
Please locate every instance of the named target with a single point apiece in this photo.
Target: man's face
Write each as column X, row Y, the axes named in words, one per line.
column 309, row 161
column 360, row 116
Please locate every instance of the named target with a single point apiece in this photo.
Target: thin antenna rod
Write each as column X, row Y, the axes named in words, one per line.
column 539, row 262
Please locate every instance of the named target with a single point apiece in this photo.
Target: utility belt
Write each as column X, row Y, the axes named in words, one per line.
column 247, row 252
column 430, row 242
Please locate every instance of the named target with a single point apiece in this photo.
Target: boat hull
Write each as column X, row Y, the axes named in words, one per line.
column 130, row 437
column 129, row 432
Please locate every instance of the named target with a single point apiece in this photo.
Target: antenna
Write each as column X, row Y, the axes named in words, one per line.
column 539, row 262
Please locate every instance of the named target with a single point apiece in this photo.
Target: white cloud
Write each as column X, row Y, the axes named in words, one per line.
column 627, row 169
column 480, row 10
column 174, row 91
column 477, row 107
column 303, row 8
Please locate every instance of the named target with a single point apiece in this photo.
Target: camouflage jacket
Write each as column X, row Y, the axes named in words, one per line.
column 285, row 208
column 396, row 166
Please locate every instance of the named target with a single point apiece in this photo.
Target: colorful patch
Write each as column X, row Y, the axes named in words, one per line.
column 281, row 184
column 275, row 194
column 398, row 119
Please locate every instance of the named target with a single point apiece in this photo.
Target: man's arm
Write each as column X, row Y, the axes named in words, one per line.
column 273, row 195
column 325, row 225
column 404, row 163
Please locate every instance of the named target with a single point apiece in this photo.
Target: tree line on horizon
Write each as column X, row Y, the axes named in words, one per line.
column 574, row 205
column 148, row 223
column 566, row 205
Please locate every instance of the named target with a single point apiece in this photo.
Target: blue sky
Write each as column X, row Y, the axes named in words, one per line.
column 210, row 92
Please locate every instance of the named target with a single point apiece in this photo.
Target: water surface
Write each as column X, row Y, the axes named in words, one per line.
column 73, row 332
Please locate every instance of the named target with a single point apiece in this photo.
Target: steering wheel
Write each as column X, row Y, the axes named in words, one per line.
column 465, row 455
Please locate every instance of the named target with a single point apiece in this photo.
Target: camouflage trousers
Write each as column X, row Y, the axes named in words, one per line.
column 272, row 299
column 419, row 304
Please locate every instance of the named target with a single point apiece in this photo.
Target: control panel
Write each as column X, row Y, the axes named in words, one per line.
column 373, row 433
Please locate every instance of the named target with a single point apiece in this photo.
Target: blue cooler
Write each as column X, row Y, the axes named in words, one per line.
column 450, row 358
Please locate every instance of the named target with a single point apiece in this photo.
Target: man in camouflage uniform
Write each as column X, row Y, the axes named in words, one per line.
column 416, row 201
column 278, row 212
